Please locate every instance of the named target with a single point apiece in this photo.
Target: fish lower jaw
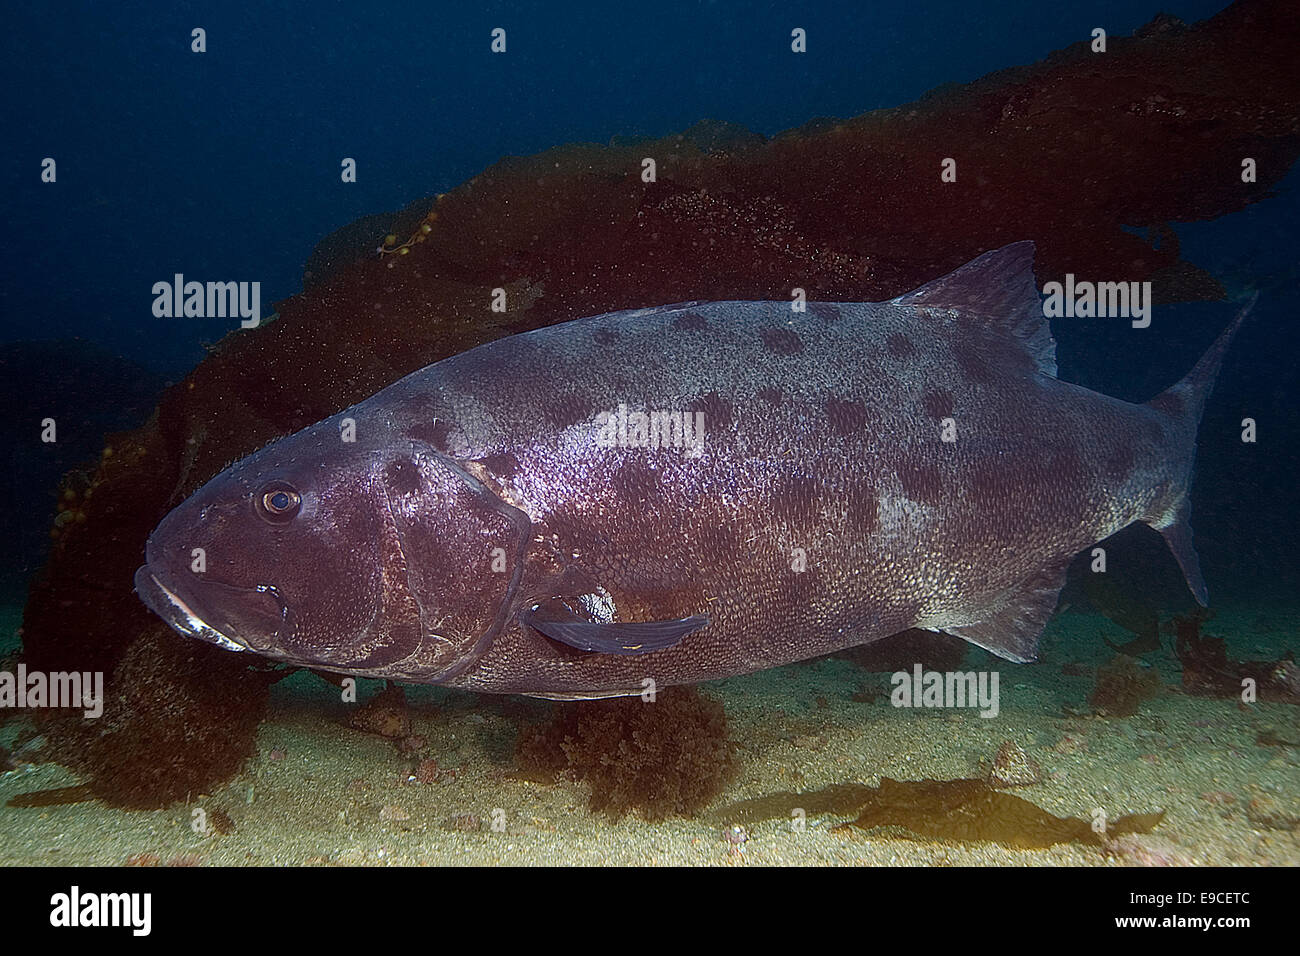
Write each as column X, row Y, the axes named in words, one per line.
column 191, row 625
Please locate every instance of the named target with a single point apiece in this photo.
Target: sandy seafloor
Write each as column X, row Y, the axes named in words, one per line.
column 320, row 793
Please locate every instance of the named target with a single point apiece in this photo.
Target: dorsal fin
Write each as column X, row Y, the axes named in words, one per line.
column 998, row 288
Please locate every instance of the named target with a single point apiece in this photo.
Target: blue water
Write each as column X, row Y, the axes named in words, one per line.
column 227, row 163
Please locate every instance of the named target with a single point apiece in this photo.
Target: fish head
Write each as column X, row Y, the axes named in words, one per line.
column 380, row 559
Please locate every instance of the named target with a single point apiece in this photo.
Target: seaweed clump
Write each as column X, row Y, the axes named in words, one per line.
column 1209, row 672
column 1122, row 686
column 957, row 811
column 667, row 758
column 384, row 714
column 171, row 725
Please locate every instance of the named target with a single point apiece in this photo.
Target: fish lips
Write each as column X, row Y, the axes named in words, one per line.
column 234, row 618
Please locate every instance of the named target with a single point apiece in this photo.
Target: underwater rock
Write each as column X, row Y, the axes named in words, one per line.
column 845, row 206
column 666, row 758
column 1122, row 686
column 463, row 823
column 384, row 714
column 359, row 240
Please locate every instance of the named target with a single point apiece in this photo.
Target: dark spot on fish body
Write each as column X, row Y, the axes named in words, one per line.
column 861, row 515
column 794, row 500
column 605, row 337
column 636, row 482
column 504, row 465
column 565, row 409
column 436, row 433
column 1118, row 464
column 921, row 480
column 402, row 477
column 771, row 395
column 973, row 365
column 781, row 341
column 900, row 346
column 690, row 322
column 985, row 480
column 1153, row 433
column 1171, row 403
column 938, row 403
column 454, row 571
column 802, row 586
column 1066, row 466
column 846, row 417
column 824, row 311
column 717, row 412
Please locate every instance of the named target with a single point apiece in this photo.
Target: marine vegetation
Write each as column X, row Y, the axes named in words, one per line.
column 959, row 811
column 1209, row 672
column 667, row 758
column 1122, row 685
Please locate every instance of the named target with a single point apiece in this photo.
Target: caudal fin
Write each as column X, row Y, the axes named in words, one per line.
column 1184, row 403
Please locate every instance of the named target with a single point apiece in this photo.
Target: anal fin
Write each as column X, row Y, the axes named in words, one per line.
column 1178, row 535
column 1012, row 629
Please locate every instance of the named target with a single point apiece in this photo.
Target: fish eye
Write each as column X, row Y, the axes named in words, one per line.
column 278, row 503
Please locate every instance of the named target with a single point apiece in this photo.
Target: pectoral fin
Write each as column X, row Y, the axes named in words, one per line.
column 554, row 619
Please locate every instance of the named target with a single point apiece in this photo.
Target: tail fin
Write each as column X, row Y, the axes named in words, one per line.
column 1184, row 403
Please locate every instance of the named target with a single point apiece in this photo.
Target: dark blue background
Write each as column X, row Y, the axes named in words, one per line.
column 226, row 165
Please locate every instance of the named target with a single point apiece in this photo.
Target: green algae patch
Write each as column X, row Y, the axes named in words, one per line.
column 958, row 811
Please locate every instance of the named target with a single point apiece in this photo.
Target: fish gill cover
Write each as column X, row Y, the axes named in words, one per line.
column 852, row 207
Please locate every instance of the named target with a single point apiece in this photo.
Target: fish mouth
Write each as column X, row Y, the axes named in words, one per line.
column 169, row 606
column 241, row 618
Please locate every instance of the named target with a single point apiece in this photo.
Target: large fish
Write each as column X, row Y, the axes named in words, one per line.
column 685, row 493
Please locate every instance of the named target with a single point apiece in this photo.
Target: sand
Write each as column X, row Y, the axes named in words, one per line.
column 320, row 793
